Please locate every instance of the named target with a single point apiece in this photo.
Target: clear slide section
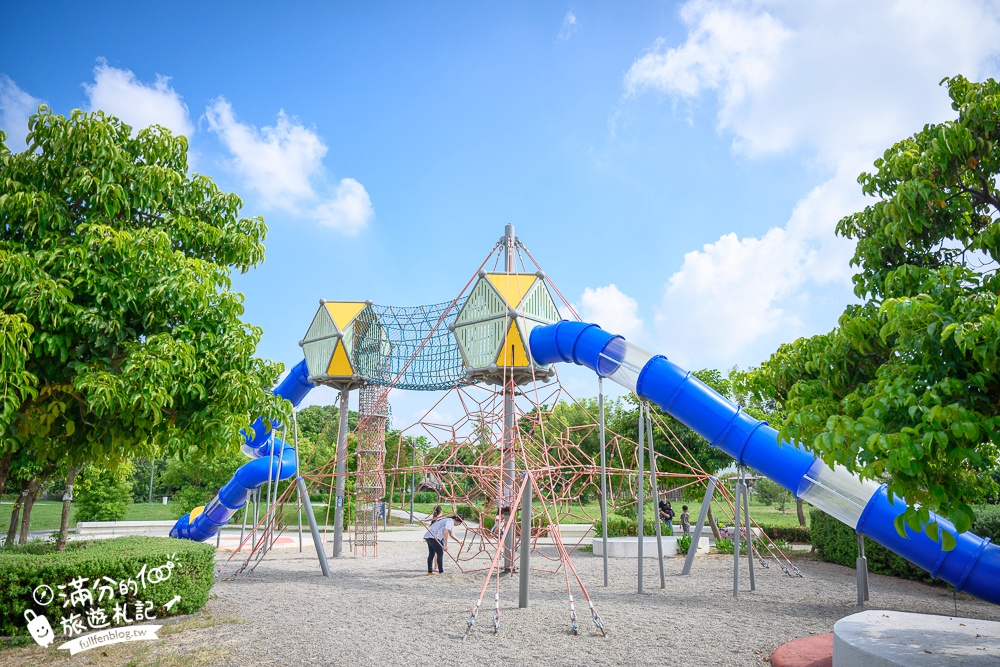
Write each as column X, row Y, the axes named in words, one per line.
column 973, row 565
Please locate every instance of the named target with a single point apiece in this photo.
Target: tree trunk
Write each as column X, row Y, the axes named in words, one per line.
column 5, row 469
column 799, row 507
column 34, row 486
column 15, row 515
column 715, row 526
column 67, row 500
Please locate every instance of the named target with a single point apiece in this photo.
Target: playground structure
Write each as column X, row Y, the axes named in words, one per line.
column 493, row 349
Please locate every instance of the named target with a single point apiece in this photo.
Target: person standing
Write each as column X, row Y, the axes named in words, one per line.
column 667, row 516
column 437, row 541
column 685, row 521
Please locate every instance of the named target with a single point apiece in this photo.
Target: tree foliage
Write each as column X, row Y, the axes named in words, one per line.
column 907, row 388
column 119, row 331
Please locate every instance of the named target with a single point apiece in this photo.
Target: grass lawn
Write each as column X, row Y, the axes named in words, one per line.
column 762, row 514
column 45, row 514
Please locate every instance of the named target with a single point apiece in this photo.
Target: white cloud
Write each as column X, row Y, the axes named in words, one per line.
column 833, row 78
column 120, row 93
column 612, row 310
column 733, row 293
column 568, row 26
column 278, row 162
column 15, row 108
column 831, row 83
column 349, row 211
column 282, row 163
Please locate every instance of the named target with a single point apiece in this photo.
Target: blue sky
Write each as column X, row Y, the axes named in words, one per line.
column 676, row 167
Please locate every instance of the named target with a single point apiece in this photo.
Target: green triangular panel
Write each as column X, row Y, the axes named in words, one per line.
column 483, row 302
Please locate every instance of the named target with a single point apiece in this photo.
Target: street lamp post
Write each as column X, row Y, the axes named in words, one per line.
column 413, row 478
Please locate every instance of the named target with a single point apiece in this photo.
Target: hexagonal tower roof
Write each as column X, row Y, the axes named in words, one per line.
column 331, row 346
column 493, row 326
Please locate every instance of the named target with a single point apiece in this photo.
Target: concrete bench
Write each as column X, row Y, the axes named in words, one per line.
column 124, row 527
column 628, row 547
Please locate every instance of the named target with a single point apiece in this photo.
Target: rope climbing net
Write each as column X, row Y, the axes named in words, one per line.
column 422, row 352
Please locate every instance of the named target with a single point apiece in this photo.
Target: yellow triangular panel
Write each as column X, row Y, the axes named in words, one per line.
column 513, row 352
column 340, row 365
column 512, row 286
column 343, row 312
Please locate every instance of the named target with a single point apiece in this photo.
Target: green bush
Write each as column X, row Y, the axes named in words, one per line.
column 631, row 511
column 189, row 497
column 683, row 544
column 836, row 542
column 987, row 522
column 469, row 512
column 103, row 495
column 623, row 526
column 724, row 546
column 399, row 498
column 794, row 534
column 23, row 569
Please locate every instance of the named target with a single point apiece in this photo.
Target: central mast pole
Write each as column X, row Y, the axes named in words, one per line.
column 507, row 492
column 338, row 510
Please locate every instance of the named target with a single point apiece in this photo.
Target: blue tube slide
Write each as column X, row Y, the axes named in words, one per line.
column 201, row 523
column 973, row 565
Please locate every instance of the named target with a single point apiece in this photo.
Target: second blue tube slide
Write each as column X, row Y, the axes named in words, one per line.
column 973, row 565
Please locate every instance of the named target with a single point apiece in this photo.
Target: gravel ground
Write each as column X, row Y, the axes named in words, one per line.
column 386, row 611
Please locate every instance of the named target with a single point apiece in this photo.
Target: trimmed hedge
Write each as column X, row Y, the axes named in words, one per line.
column 836, row 542
column 797, row 534
column 23, row 569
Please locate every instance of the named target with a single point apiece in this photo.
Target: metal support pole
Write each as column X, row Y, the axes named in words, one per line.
column 317, row 539
column 298, row 468
column 507, row 478
column 706, row 503
column 736, row 542
column 243, row 526
column 256, row 517
column 604, row 478
column 656, row 494
column 862, row 572
column 522, row 591
column 640, row 494
column 749, row 527
column 413, row 478
column 338, row 511
column 273, row 502
column 267, row 496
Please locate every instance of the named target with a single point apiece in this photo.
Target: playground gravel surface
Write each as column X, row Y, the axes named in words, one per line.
column 386, row 611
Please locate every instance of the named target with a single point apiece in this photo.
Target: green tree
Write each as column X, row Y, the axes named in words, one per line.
column 907, row 388
column 115, row 294
column 103, row 494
